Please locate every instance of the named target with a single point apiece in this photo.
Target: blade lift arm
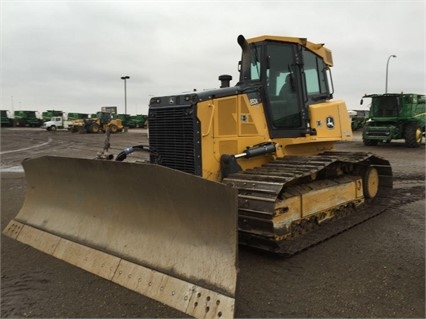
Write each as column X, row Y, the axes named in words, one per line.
column 229, row 164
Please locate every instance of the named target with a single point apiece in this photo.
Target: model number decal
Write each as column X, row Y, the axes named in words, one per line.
column 254, row 101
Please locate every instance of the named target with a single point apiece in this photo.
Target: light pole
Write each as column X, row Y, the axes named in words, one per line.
column 387, row 67
column 126, row 77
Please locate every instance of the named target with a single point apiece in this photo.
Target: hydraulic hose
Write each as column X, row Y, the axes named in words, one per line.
column 129, row 150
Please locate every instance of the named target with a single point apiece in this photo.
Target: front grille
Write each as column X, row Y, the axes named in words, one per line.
column 174, row 135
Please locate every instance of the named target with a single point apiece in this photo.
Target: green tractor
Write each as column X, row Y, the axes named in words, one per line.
column 140, row 120
column 395, row 116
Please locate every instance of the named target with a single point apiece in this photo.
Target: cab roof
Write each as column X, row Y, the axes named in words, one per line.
column 317, row 48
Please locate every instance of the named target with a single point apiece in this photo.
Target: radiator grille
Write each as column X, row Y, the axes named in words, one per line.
column 174, row 134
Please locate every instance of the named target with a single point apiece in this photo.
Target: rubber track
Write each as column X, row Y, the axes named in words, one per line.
column 260, row 187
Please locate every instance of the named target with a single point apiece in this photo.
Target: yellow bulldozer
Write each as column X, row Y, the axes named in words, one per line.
column 100, row 123
column 252, row 164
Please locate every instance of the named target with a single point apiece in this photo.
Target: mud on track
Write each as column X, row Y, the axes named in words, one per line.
column 376, row 269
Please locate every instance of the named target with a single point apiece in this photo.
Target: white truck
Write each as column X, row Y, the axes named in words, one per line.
column 55, row 123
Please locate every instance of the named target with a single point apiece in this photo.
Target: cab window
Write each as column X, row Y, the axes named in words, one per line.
column 314, row 67
column 282, row 86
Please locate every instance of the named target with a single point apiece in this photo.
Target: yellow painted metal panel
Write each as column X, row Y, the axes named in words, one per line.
column 327, row 195
column 331, row 120
column 226, row 120
column 291, row 208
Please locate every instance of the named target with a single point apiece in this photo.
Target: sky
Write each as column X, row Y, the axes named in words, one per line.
column 71, row 55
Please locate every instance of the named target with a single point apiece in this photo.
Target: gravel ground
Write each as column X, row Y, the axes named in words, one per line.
column 376, row 269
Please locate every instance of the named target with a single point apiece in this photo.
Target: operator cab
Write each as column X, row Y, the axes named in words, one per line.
column 290, row 76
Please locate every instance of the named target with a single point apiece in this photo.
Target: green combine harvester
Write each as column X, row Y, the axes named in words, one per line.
column 27, row 118
column 393, row 117
column 5, row 119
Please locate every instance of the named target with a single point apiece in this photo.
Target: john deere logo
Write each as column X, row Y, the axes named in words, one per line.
column 330, row 122
column 171, row 100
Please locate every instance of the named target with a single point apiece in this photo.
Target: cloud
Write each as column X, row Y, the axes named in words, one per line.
column 70, row 55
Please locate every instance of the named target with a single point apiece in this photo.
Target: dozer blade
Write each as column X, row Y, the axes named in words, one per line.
column 165, row 234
